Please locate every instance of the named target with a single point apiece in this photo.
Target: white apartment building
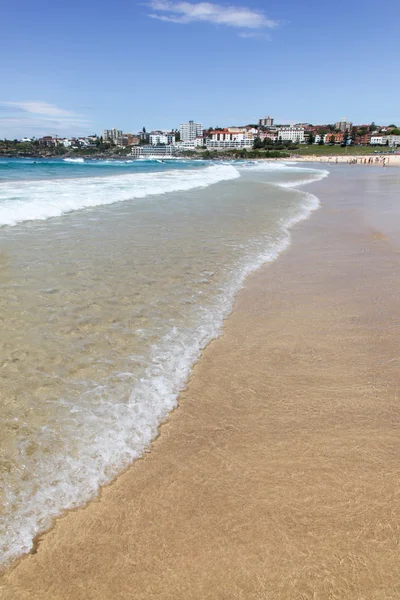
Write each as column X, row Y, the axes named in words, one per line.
column 292, row 133
column 230, row 138
column 66, row 142
column 379, row 140
column 266, row 122
column 233, row 134
column 153, row 151
column 394, row 140
column 159, row 137
column 229, row 144
column 190, row 131
column 192, row 145
column 112, row 135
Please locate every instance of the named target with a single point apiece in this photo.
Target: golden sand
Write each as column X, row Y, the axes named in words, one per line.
column 278, row 476
column 379, row 160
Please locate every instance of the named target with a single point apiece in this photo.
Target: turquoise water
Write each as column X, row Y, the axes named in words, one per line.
column 18, row 169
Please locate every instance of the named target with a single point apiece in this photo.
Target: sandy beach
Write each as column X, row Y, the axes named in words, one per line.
column 278, row 475
column 391, row 160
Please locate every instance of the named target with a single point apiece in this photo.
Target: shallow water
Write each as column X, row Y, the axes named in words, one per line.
column 105, row 309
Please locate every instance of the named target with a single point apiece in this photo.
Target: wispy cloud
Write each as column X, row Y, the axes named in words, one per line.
column 36, row 118
column 42, row 108
column 252, row 34
column 206, row 12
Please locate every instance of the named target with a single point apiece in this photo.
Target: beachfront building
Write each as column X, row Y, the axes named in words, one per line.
column 266, row 122
column 191, row 145
column 334, row 137
column 379, row 140
column 232, row 137
column 393, row 140
column 153, row 151
column 190, row 131
column 363, row 139
column 161, row 137
column 270, row 135
column 343, row 125
column 291, row 133
column 229, row 144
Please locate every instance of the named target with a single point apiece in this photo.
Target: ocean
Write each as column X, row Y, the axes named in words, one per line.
column 114, row 275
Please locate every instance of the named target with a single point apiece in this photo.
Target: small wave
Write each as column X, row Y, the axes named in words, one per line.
column 126, row 430
column 74, row 160
column 40, row 200
column 317, row 175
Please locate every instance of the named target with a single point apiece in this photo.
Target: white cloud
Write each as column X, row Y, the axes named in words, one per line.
column 231, row 16
column 37, row 118
column 41, row 108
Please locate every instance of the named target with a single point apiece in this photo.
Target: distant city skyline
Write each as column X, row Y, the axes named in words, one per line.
column 79, row 68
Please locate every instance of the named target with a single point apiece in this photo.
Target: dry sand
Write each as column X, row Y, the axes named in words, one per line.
column 391, row 160
column 278, row 476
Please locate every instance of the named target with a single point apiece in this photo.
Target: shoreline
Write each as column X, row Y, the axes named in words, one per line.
column 391, row 160
column 308, row 206
column 192, row 463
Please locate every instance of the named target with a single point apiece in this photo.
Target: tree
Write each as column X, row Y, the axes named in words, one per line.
column 372, row 127
column 311, row 138
column 257, row 143
column 178, row 136
column 321, row 140
column 144, row 129
column 267, row 143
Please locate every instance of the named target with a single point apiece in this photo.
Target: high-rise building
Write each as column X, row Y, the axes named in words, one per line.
column 343, row 125
column 112, row 135
column 266, row 122
column 190, row 131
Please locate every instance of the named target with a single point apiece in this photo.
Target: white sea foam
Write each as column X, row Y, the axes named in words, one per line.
column 290, row 168
column 39, row 200
column 126, row 430
column 74, row 160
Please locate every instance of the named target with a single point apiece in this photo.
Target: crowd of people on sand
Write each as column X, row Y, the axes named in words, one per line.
column 351, row 160
column 370, row 161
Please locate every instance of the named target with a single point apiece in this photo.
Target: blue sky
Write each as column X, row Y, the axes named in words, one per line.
column 79, row 66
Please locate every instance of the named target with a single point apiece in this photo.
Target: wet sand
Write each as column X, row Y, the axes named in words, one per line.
column 278, row 476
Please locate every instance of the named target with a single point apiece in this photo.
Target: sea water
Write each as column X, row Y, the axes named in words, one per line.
column 114, row 275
